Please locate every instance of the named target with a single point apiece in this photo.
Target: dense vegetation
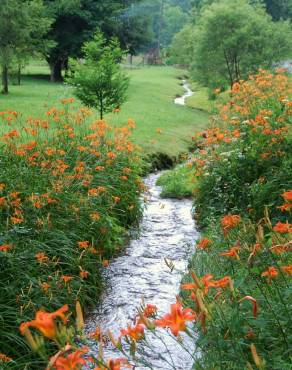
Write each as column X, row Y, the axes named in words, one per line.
column 238, row 290
column 70, row 185
column 69, row 191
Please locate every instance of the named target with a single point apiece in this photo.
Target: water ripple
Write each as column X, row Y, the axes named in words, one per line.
column 167, row 231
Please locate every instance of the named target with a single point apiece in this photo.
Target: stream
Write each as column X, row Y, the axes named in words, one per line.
column 181, row 100
column 167, row 231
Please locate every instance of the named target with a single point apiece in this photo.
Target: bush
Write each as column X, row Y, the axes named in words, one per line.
column 246, row 162
column 70, row 189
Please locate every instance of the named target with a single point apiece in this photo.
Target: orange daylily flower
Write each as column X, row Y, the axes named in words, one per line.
column 45, row 323
column 232, row 253
column 105, row 263
column 204, row 243
column 45, row 286
column 203, row 282
column 287, row 195
column 73, row 361
column 116, row 199
column 99, row 168
column 282, row 228
column 111, row 155
column 4, row 358
column 270, row 273
column 176, row 319
column 285, row 207
column 83, row 274
column 66, row 278
column 41, row 257
column 221, row 283
column 83, row 244
column 228, row 222
column 150, row 310
column 16, row 220
column 2, row 201
column 287, row 269
column 206, row 282
column 135, row 332
column 96, row 334
column 5, row 247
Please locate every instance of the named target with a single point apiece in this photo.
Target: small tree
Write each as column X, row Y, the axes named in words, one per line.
column 234, row 39
column 98, row 80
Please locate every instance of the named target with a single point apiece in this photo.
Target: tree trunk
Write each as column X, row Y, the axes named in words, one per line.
column 19, row 75
column 101, row 109
column 56, row 71
column 66, row 67
column 5, row 80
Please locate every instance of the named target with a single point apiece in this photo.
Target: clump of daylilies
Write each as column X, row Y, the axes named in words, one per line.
column 214, row 307
column 69, row 191
column 243, row 198
column 70, row 356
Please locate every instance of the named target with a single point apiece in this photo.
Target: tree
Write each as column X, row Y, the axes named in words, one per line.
column 99, row 81
column 182, row 46
column 234, row 40
column 279, row 9
column 133, row 29
column 22, row 27
column 173, row 21
column 74, row 23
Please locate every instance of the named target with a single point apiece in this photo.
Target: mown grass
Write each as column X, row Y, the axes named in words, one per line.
column 201, row 99
column 161, row 125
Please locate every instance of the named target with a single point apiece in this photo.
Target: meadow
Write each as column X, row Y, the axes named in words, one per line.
column 161, row 126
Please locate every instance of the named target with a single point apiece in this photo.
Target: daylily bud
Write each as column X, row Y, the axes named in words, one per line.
column 257, row 360
column 79, row 317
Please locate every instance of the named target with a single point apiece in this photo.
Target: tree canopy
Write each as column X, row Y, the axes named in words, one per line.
column 231, row 40
column 22, row 29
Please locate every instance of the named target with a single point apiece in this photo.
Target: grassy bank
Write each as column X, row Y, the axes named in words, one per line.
column 201, row 99
column 161, row 125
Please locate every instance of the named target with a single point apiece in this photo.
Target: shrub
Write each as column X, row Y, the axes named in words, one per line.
column 246, row 162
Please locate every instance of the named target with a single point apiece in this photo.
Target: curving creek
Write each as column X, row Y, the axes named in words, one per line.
column 141, row 274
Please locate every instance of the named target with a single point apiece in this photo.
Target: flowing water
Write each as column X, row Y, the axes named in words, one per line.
column 181, row 100
column 167, row 231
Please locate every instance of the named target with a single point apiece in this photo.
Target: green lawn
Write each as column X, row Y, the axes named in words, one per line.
column 150, row 104
column 200, row 99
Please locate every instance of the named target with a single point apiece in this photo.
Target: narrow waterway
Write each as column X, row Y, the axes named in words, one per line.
column 167, row 232
column 181, row 100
